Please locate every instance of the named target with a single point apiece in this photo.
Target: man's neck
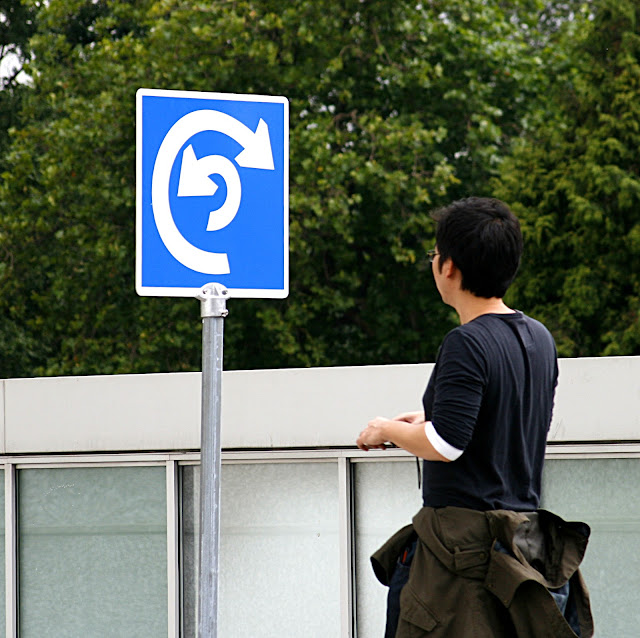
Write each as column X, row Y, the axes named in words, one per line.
column 469, row 307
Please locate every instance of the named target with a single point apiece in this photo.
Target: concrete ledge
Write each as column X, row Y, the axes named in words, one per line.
column 102, row 413
column 2, row 411
column 597, row 400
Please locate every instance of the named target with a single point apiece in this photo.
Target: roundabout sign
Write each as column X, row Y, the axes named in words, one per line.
column 212, row 195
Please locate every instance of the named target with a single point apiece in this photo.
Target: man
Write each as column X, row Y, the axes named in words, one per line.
column 482, row 435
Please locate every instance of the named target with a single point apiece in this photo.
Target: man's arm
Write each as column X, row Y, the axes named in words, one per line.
column 408, row 431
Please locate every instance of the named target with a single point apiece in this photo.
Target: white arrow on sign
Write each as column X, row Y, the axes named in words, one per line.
column 195, row 180
column 256, row 153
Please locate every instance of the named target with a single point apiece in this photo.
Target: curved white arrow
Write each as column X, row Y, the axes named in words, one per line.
column 256, row 154
column 195, row 180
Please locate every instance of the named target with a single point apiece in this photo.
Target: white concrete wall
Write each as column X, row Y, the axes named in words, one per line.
column 597, row 400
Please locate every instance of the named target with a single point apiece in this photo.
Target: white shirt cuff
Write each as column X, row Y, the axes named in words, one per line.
column 440, row 445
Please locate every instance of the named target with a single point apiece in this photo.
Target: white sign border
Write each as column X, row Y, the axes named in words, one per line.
column 171, row 291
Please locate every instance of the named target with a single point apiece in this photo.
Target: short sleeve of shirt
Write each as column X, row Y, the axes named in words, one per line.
column 455, row 391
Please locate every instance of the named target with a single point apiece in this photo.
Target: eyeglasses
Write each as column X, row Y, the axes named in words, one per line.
column 431, row 254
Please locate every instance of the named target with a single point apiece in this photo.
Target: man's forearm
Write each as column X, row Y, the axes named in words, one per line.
column 408, row 436
column 412, row 438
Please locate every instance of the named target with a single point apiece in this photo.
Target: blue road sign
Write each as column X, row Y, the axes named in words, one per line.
column 212, row 193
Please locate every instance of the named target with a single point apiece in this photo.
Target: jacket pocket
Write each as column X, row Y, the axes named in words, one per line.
column 416, row 619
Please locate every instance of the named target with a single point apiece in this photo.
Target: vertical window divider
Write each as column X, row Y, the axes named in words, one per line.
column 11, row 549
column 173, row 569
column 346, row 548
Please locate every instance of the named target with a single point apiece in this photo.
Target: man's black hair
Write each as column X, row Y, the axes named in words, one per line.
column 483, row 239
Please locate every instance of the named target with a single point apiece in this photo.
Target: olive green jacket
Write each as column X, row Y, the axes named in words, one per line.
column 462, row 584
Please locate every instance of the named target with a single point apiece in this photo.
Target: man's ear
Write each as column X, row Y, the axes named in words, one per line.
column 449, row 269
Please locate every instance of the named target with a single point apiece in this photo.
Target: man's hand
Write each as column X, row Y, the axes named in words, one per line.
column 373, row 436
column 406, row 431
column 411, row 417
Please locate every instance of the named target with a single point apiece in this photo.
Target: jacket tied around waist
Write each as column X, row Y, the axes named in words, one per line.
column 490, row 575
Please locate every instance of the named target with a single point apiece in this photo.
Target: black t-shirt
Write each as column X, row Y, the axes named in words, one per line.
column 491, row 394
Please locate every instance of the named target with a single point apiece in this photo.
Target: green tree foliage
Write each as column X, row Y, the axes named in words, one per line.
column 576, row 183
column 16, row 27
column 65, row 203
column 396, row 108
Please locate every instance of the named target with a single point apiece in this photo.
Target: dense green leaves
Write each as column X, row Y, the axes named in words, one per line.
column 396, row 108
column 576, row 183
column 16, row 27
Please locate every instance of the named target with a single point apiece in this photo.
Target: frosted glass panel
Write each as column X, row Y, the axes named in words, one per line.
column 3, row 628
column 279, row 554
column 386, row 498
column 92, row 552
column 603, row 493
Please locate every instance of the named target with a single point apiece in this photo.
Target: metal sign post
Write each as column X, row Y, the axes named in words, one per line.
column 213, row 310
column 190, row 230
